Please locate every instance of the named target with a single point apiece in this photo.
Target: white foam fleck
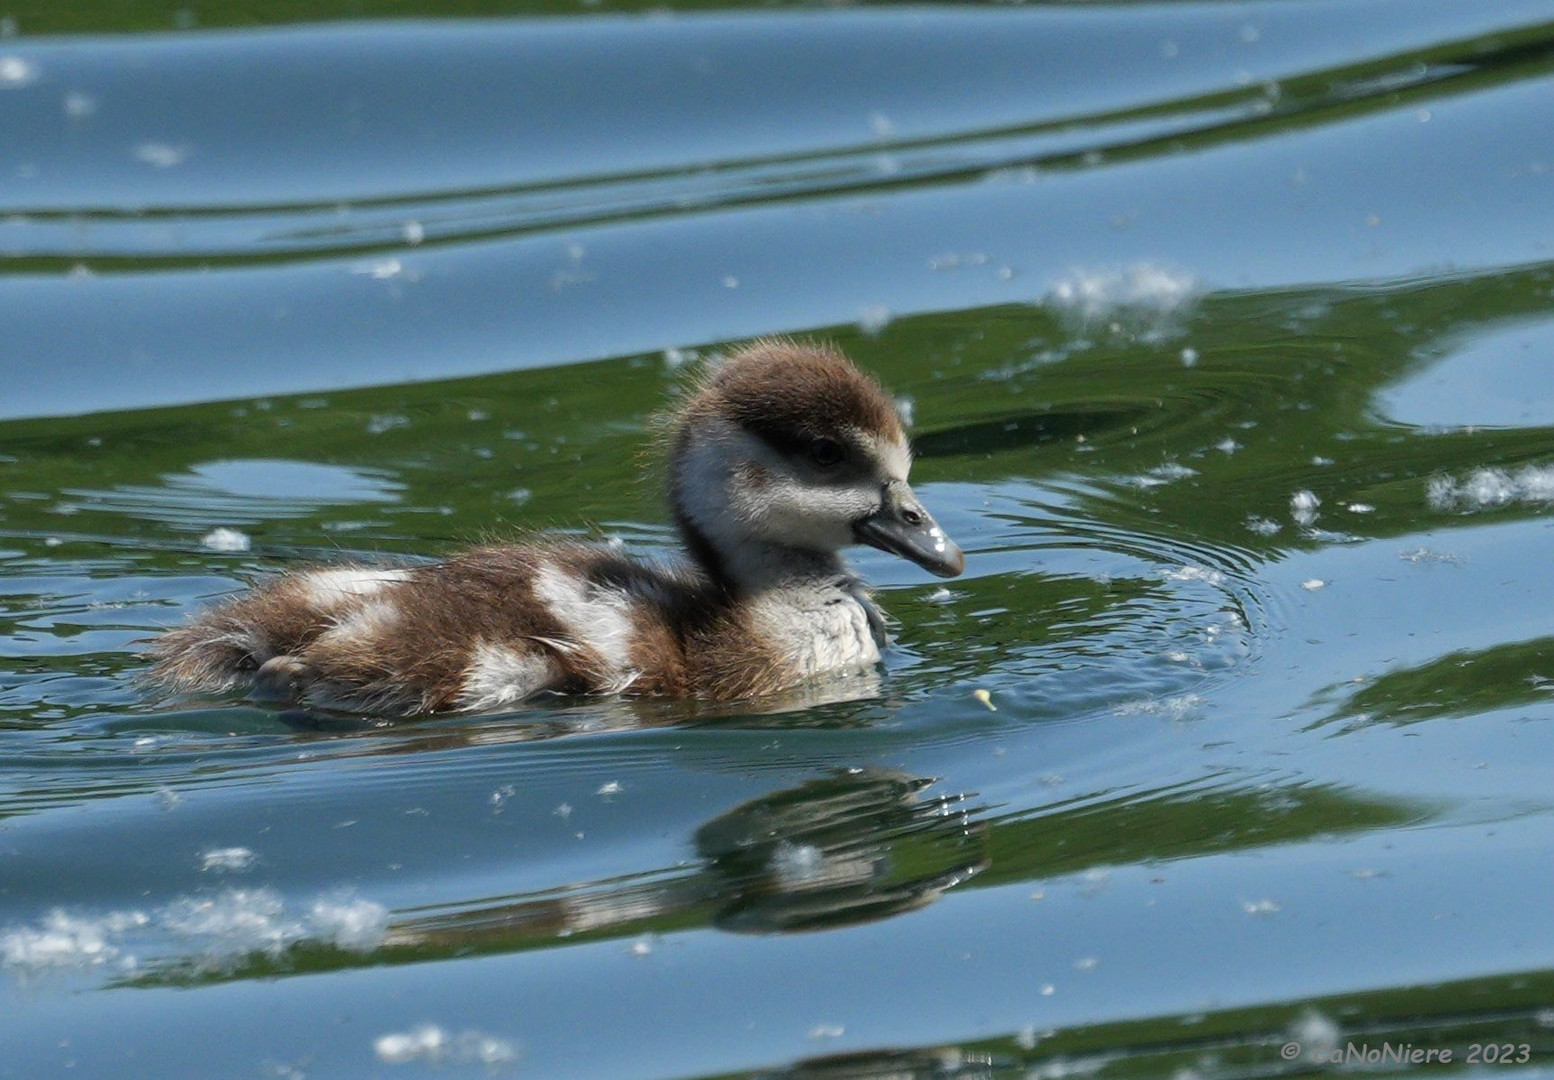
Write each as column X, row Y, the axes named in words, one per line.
column 379, row 269
column 1488, row 488
column 1189, row 357
column 433, row 1045
column 675, row 359
column 1195, row 573
column 16, row 71
column 1428, row 555
column 227, row 860
column 1263, row 526
column 1175, row 707
column 232, row 923
column 161, row 155
column 1313, row 584
column 873, row 319
column 378, row 424
column 64, row 940
column 1315, row 1033
column 78, row 105
column 796, row 864
column 422, row 1042
column 222, row 538
column 1303, row 507
column 1264, row 907
column 1144, row 297
column 354, row 924
column 218, row 929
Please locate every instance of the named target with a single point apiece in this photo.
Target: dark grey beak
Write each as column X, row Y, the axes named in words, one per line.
column 902, row 527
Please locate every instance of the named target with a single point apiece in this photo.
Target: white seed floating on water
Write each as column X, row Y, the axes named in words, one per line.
column 225, row 539
column 380, row 269
column 397, row 1049
column 1303, row 507
column 1196, row 573
column 873, row 319
column 1145, row 297
column 1313, row 584
column 1492, row 487
column 1315, row 1033
column 16, row 71
column 358, row 925
column 161, row 155
column 1260, row 907
column 432, row 1044
column 675, row 359
column 986, row 697
column 79, row 106
column 223, row 860
column 67, row 941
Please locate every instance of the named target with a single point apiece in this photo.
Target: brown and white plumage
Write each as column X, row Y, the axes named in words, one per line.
column 786, row 455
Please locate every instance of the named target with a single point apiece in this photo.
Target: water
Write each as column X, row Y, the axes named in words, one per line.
column 1223, row 328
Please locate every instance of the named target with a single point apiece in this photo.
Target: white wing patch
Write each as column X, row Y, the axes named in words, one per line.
column 330, row 588
column 597, row 617
column 372, row 619
column 498, row 676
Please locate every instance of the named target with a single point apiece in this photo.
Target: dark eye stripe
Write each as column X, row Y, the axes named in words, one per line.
column 785, row 440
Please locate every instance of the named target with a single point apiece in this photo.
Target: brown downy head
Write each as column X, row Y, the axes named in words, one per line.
column 789, row 447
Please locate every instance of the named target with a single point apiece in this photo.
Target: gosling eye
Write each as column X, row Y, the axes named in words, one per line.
column 826, row 452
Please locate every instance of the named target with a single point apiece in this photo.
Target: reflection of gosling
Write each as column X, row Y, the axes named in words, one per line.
column 786, row 455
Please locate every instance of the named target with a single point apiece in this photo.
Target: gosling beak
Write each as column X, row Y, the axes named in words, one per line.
column 902, row 527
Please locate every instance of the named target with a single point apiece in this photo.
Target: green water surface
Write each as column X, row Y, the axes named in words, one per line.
column 1225, row 331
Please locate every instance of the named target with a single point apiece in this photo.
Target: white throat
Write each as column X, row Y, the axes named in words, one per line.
column 736, row 495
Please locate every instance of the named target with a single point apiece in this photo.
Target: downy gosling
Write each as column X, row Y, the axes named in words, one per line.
column 785, row 455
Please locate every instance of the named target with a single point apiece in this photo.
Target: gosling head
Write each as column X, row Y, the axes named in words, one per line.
column 788, row 452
